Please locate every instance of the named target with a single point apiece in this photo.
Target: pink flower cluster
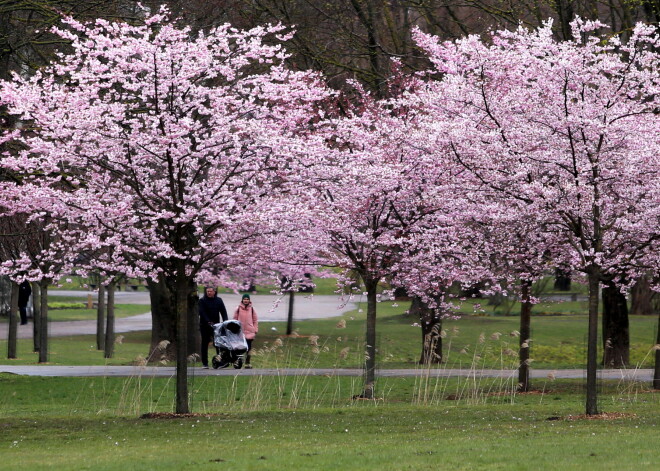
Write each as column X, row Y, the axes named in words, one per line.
column 150, row 150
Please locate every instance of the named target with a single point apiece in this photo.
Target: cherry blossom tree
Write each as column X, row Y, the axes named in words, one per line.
column 477, row 240
column 165, row 139
column 445, row 252
column 373, row 191
column 31, row 248
column 519, row 250
column 281, row 252
column 11, row 241
column 570, row 129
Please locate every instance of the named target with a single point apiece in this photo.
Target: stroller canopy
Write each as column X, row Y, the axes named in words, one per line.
column 229, row 335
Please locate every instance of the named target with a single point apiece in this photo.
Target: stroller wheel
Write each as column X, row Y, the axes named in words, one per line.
column 238, row 364
column 218, row 362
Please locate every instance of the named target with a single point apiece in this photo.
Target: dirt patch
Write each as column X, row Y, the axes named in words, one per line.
column 360, row 397
column 603, row 416
column 533, row 392
column 174, row 415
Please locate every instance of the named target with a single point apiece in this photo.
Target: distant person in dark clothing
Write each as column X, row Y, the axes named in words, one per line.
column 211, row 311
column 24, row 292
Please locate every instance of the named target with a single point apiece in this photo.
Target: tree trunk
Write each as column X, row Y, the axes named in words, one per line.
column 652, row 11
column 194, row 335
column 181, row 298
column 13, row 322
column 592, row 346
column 5, row 296
column 100, row 318
column 289, row 317
column 616, row 331
column 370, row 360
column 656, row 373
column 401, row 293
column 36, row 313
column 562, row 280
column 644, row 301
column 369, row 21
column 524, row 383
column 564, row 9
column 109, row 349
column 163, row 320
column 43, row 327
column 431, row 323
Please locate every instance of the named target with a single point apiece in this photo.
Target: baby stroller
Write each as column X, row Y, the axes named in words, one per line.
column 230, row 341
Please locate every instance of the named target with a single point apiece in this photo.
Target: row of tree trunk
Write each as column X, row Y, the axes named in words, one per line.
column 616, row 344
column 40, row 321
column 105, row 335
column 615, row 327
column 163, row 314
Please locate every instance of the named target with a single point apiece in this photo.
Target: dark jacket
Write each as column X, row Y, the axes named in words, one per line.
column 24, row 292
column 210, row 310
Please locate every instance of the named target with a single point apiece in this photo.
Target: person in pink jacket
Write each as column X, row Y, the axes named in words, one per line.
column 247, row 316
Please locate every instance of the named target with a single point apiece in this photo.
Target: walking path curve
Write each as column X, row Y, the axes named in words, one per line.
column 270, row 308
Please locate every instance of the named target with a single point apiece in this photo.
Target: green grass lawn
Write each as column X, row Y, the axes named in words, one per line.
column 471, row 341
column 301, row 422
column 81, row 350
column 80, row 313
column 121, row 310
column 323, row 285
column 312, row 423
column 74, row 282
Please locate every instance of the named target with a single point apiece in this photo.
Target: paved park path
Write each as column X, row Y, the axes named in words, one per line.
column 270, row 310
column 645, row 375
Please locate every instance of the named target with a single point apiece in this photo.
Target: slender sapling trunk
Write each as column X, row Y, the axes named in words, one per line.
column 370, row 360
column 181, row 296
column 616, row 329
column 36, row 315
column 43, row 325
column 656, row 373
column 289, row 317
column 592, row 346
column 109, row 349
column 100, row 318
column 13, row 321
column 525, row 337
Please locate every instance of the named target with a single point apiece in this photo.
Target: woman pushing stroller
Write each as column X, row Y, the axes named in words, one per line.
column 247, row 316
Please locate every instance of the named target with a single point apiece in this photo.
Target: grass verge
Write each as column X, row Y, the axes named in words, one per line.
column 91, row 423
column 84, row 314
